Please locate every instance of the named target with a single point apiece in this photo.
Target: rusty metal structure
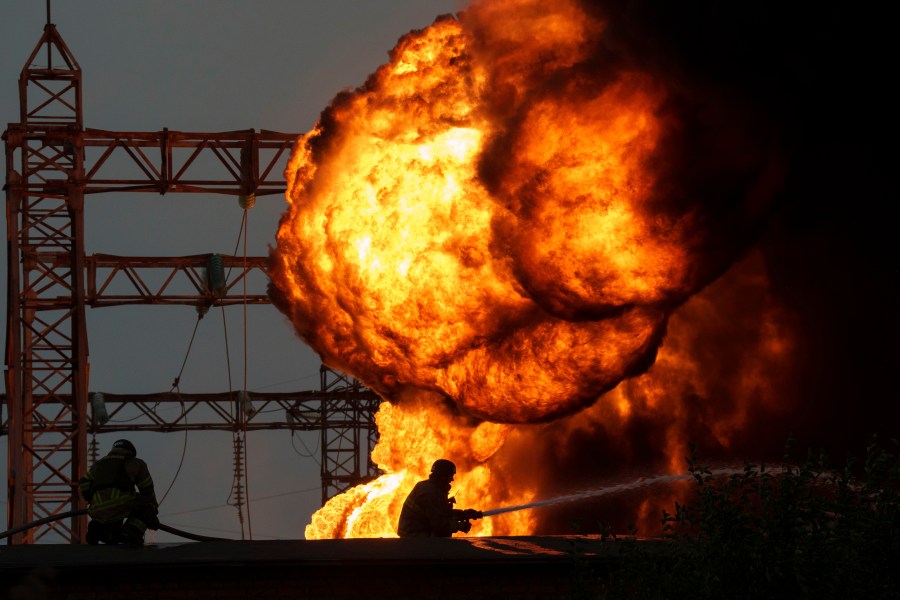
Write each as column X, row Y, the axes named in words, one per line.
column 52, row 165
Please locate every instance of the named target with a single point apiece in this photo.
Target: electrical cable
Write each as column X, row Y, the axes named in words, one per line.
column 246, row 228
column 231, row 407
column 227, row 350
column 309, row 453
column 177, row 379
column 260, row 499
column 235, row 480
column 305, row 377
column 175, row 388
column 239, row 438
column 183, row 449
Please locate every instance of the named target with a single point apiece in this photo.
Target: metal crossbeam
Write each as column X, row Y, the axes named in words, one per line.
column 119, row 280
column 52, row 165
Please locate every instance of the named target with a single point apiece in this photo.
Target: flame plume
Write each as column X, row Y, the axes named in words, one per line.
column 494, row 231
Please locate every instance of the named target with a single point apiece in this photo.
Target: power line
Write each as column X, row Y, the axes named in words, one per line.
column 194, row 526
column 305, row 377
column 205, row 508
column 309, row 453
column 246, row 228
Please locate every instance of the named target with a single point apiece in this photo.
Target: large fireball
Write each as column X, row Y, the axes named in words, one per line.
column 498, row 215
column 495, row 230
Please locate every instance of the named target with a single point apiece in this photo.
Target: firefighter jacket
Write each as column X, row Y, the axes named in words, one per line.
column 116, row 485
column 428, row 512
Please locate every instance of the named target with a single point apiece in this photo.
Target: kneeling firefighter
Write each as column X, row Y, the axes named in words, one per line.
column 427, row 510
column 122, row 501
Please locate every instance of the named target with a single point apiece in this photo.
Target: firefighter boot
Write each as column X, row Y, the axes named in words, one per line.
column 132, row 533
column 93, row 533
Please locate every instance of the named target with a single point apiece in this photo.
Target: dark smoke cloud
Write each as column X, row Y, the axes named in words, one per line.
column 724, row 150
column 814, row 257
column 817, row 74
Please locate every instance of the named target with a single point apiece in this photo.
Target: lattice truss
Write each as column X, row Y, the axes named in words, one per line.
column 52, row 163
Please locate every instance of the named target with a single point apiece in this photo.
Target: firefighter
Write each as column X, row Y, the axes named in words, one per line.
column 122, row 501
column 428, row 511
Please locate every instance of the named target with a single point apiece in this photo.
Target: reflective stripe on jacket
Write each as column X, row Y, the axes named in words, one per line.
column 113, row 485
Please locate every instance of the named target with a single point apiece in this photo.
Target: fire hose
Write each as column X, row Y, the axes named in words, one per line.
column 83, row 511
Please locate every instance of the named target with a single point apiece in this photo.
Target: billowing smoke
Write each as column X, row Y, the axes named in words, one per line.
column 535, row 205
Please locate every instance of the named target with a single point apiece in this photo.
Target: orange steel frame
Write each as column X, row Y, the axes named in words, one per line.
column 51, row 282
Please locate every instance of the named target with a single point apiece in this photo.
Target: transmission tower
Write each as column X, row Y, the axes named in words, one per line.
column 52, row 164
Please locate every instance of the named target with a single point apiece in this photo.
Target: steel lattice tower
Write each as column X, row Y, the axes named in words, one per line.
column 52, row 164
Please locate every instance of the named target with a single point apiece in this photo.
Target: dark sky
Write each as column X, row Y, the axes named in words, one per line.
column 830, row 249
column 819, row 75
column 819, row 72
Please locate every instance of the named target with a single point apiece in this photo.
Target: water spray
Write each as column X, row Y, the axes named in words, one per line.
column 605, row 491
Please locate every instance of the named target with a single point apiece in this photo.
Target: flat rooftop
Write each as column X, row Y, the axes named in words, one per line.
column 468, row 567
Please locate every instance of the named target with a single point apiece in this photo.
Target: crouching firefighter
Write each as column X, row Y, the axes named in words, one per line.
column 122, row 501
column 429, row 512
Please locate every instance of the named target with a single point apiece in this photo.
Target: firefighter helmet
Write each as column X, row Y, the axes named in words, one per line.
column 443, row 469
column 125, row 444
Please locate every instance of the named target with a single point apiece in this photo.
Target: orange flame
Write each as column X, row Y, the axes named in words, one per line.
column 498, row 217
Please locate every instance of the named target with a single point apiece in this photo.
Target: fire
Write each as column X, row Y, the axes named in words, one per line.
column 414, row 430
column 492, row 233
